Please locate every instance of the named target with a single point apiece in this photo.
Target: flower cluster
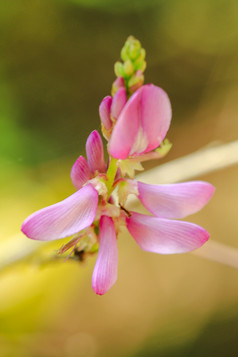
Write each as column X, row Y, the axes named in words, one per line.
column 135, row 120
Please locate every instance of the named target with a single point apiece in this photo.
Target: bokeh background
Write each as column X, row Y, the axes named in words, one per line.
column 56, row 65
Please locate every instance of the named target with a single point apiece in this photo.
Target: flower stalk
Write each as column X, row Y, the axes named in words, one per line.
column 111, row 174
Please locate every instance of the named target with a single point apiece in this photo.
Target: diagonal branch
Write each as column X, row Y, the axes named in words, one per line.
column 193, row 165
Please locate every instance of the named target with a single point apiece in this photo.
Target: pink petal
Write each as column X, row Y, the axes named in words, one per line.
column 105, row 271
column 64, row 218
column 80, row 172
column 165, row 236
column 177, row 200
column 118, row 102
column 95, row 153
column 142, row 124
column 118, row 83
column 105, row 112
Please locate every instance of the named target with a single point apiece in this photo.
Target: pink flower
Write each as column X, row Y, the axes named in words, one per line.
column 134, row 128
column 142, row 123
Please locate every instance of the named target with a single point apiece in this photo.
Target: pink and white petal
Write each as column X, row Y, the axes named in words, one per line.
column 64, row 218
column 95, row 152
column 156, row 106
column 125, row 130
column 118, row 102
column 80, row 172
column 175, row 200
column 164, row 236
column 105, row 112
column 142, row 124
column 105, row 270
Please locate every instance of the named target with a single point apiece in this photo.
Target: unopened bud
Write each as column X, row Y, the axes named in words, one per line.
column 136, row 81
column 133, row 60
column 139, row 63
column 134, row 49
column 117, row 84
column 104, row 112
column 95, row 154
column 124, row 53
column 128, row 68
column 143, row 67
column 118, row 102
column 119, row 69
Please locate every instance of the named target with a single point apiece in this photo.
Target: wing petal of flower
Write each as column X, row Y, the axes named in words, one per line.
column 64, row 218
column 164, row 236
column 175, row 200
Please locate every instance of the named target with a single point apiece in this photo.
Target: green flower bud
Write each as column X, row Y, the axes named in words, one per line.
column 118, row 83
column 128, row 68
column 119, row 70
column 139, row 63
column 143, row 67
column 164, row 148
column 133, row 60
column 124, row 53
column 135, row 49
column 136, row 81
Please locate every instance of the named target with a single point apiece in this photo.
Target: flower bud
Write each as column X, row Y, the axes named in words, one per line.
column 119, row 69
column 140, row 61
column 95, row 153
column 118, row 102
column 128, row 68
column 104, row 112
column 133, row 60
column 136, row 81
column 117, row 84
column 124, row 53
column 135, row 48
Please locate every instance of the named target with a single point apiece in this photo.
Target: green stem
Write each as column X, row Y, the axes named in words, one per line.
column 111, row 173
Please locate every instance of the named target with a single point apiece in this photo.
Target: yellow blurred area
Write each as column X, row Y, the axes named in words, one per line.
column 56, row 66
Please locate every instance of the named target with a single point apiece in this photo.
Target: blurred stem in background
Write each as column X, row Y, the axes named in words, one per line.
column 15, row 249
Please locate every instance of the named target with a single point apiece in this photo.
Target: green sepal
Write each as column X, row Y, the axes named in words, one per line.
column 164, row 148
column 94, row 248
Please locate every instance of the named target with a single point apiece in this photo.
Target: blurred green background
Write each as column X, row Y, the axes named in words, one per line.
column 56, row 65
